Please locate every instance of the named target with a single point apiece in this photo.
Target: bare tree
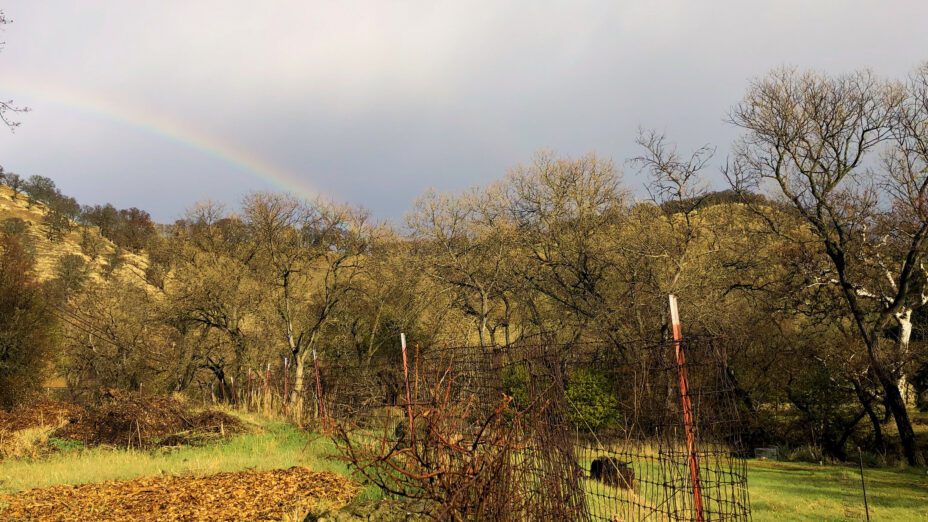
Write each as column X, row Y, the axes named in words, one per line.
column 7, row 108
column 467, row 254
column 678, row 189
column 817, row 139
column 566, row 213
column 213, row 288
column 311, row 253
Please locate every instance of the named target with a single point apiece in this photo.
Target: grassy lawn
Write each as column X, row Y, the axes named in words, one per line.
column 792, row 491
column 779, row 491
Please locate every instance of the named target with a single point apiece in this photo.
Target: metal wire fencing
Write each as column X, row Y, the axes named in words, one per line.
column 546, row 431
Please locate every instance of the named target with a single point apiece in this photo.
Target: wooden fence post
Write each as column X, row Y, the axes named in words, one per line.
column 412, row 432
column 688, row 420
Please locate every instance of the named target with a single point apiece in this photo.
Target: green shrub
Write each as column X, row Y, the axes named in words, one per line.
column 871, row 459
column 515, row 383
column 65, row 444
column 591, row 402
column 806, row 453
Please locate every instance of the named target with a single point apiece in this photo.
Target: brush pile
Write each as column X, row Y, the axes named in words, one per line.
column 125, row 420
column 41, row 412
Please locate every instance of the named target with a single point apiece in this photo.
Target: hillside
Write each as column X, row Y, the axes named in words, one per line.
column 50, row 251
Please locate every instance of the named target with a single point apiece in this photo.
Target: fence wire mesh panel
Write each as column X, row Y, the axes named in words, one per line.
column 545, row 431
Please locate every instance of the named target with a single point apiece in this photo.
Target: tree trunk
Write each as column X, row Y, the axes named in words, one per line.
column 878, row 443
column 896, row 405
column 867, row 402
column 299, row 380
column 894, row 399
column 483, row 319
column 905, row 334
column 220, row 374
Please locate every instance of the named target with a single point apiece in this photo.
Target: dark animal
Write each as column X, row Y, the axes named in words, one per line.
column 421, row 431
column 613, row 472
column 399, row 432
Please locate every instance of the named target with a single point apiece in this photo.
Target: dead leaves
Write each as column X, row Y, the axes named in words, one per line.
column 246, row 495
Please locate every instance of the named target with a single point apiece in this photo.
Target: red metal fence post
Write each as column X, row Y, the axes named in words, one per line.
column 412, row 436
column 688, row 420
column 267, row 388
column 415, row 388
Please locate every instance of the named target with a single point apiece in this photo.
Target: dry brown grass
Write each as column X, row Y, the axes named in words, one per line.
column 27, row 443
column 48, row 252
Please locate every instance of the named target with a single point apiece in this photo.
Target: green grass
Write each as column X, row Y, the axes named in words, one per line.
column 779, row 491
column 273, row 445
column 792, row 491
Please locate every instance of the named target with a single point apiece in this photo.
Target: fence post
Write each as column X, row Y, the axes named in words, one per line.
column 250, row 392
column 863, row 483
column 320, row 405
column 415, row 389
column 286, row 397
column 267, row 389
column 412, row 433
column 234, row 392
column 688, row 421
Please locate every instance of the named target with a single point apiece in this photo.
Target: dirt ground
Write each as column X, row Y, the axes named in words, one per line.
column 246, row 495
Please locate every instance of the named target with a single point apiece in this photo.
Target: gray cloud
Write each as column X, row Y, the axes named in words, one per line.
column 372, row 102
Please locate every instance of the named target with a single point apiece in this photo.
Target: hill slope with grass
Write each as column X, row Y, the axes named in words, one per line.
column 30, row 218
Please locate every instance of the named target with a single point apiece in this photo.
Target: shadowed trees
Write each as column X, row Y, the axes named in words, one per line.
column 27, row 325
column 848, row 153
column 130, row 228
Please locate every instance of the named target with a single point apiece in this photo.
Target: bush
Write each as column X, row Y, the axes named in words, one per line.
column 27, row 324
column 15, row 227
column 65, row 444
column 591, row 402
column 70, row 273
column 27, row 443
column 806, row 453
column 92, row 245
column 515, row 383
column 114, row 260
column 871, row 459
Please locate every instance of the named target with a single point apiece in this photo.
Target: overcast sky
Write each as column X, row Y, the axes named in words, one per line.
column 161, row 104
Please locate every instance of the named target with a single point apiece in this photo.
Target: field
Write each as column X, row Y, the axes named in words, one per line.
column 793, row 491
column 779, row 491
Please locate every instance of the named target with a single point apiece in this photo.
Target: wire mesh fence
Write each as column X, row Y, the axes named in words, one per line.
column 546, row 431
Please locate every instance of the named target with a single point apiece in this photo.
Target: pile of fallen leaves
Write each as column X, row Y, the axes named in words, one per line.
column 246, row 495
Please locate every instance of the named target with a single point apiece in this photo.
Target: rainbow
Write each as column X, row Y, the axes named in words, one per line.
column 161, row 124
